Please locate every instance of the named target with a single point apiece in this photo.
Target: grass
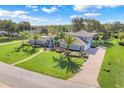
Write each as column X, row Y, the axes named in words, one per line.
column 9, row 39
column 112, row 70
column 9, row 55
column 45, row 64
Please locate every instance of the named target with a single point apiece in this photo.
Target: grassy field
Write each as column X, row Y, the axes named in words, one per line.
column 9, row 55
column 112, row 70
column 9, row 39
column 45, row 64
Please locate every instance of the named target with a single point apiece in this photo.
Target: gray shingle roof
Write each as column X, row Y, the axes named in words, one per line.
column 81, row 33
column 79, row 42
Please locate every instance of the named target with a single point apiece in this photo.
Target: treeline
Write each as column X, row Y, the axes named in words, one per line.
column 54, row 29
column 77, row 24
column 11, row 27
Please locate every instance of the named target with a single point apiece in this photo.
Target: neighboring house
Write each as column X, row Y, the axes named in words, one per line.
column 83, row 40
column 3, row 33
column 43, row 41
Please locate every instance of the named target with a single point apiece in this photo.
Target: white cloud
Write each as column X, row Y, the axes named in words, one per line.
column 74, row 16
column 34, row 8
column 31, row 6
column 92, row 14
column 20, row 15
column 30, row 18
column 80, row 8
column 12, row 13
column 106, row 6
column 49, row 10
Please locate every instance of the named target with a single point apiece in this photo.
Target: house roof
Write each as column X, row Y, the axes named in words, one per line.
column 81, row 33
column 3, row 32
column 45, row 38
column 79, row 42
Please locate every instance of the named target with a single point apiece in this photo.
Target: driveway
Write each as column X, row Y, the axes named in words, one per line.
column 90, row 70
column 11, row 76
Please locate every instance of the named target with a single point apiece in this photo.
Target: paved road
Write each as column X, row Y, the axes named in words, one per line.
column 91, row 68
column 7, row 43
column 19, row 78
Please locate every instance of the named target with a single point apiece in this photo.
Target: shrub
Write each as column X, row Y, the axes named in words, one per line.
column 121, row 42
column 116, row 36
column 53, row 49
column 75, row 54
column 84, row 54
column 94, row 44
column 121, row 35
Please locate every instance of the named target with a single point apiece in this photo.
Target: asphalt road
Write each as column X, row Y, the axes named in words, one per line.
column 15, row 77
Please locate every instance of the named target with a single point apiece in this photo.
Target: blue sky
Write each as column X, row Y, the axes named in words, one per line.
column 60, row 14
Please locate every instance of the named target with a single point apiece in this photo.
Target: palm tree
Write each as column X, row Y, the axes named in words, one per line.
column 25, row 36
column 61, row 35
column 69, row 40
column 71, row 66
column 35, row 38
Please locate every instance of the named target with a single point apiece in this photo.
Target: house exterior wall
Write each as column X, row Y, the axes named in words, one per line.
column 73, row 47
column 89, row 39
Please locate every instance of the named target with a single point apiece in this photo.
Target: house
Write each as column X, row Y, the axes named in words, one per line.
column 43, row 41
column 3, row 33
column 83, row 40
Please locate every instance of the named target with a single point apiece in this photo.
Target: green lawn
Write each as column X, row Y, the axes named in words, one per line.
column 45, row 64
column 113, row 62
column 9, row 39
column 8, row 54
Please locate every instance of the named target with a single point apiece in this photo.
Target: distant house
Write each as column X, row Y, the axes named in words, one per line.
column 3, row 33
column 83, row 40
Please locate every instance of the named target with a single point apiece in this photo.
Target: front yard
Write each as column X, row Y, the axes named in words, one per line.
column 43, row 63
column 8, row 53
column 112, row 70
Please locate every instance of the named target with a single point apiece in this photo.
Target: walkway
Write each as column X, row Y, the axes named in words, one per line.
column 7, row 43
column 20, row 78
column 3, row 86
column 28, row 57
column 91, row 68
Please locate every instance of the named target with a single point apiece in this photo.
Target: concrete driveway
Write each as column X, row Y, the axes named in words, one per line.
column 11, row 76
column 90, row 70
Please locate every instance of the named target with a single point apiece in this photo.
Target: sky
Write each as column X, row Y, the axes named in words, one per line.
column 61, row 14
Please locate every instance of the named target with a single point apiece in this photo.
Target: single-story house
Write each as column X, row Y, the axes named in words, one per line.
column 3, row 33
column 43, row 41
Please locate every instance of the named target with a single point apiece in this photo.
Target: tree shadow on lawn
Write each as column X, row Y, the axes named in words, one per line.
column 68, row 64
column 27, row 49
